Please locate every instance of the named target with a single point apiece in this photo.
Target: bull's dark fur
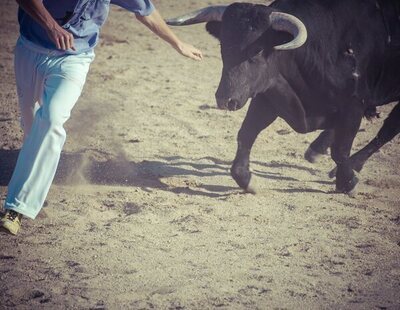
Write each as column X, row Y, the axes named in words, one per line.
column 334, row 29
column 346, row 68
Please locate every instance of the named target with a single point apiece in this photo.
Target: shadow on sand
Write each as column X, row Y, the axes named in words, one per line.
column 79, row 168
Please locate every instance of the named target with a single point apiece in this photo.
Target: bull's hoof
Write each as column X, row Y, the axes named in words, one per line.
column 348, row 187
column 312, row 156
column 250, row 190
column 242, row 176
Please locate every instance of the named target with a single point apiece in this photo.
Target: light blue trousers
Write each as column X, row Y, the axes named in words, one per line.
column 48, row 86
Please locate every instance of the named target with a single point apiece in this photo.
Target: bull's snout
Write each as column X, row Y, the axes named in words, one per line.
column 228, row 104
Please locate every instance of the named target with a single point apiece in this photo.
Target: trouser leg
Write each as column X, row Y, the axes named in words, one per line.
column 40, row 153
column 29, row 82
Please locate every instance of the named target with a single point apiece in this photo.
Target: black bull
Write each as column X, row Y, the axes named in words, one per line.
column 320, row 64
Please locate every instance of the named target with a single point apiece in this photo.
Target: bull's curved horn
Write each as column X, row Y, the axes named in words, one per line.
column 210, row 13
column 289, row 23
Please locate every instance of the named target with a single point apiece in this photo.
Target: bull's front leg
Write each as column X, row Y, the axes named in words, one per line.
column 259, row 115
column 346, row 127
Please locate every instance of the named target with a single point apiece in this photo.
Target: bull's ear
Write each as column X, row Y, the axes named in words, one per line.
column 214, row 28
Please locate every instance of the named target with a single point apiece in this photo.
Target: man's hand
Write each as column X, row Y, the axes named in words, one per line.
column 61, row 38
column 189, row 51
column 156, row 23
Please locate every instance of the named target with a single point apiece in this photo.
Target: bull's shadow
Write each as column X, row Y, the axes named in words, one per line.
column 79, row 168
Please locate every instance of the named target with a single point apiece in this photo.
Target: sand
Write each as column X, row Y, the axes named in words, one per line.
column 143, row 213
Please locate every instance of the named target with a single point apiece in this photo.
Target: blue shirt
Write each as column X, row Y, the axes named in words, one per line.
column 82, row 18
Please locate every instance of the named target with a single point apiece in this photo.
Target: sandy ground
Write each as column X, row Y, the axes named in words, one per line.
column 144, row 214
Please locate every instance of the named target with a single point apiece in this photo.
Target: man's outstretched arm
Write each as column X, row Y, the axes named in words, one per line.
column 156, row 23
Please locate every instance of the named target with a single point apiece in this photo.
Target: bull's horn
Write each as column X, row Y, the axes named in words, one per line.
column 210, row 13
column 289, row 23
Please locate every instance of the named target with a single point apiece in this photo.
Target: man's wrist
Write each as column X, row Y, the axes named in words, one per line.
column 177, row 45
column 50, row 24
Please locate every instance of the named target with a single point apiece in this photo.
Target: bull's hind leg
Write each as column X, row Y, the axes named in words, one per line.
column 390, row 128
column 259, row 115
column 319, row 146
column 346, row 128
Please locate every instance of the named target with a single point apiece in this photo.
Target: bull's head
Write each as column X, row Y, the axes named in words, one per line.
column 249, row 34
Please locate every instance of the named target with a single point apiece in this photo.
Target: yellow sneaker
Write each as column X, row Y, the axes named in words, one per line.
column 11, row 221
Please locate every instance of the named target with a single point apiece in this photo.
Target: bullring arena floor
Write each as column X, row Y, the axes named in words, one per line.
column 144, row 214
